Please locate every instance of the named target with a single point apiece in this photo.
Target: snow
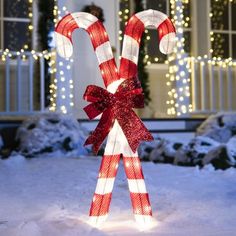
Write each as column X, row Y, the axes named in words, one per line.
column 51, row 196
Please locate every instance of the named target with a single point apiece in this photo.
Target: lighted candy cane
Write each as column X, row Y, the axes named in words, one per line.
column 128, row 69
column 117, row 142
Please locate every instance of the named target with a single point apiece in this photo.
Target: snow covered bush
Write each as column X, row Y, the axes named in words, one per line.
column 215, row 143
column 51, row 132
column 200, row 151
column 220, row 127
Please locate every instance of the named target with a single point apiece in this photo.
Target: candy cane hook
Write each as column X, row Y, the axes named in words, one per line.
column 133, row 34
column 99, row 39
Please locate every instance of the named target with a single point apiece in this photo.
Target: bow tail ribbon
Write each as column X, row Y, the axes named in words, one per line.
column 134, row 129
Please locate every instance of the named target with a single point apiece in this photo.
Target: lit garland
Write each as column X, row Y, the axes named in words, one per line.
column 24, row 53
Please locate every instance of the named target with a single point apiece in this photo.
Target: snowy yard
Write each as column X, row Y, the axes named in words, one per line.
column 52, row 196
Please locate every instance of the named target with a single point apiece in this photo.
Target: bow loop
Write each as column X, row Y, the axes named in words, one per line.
column 100, row 98
column 117, row 106
column 93, row 93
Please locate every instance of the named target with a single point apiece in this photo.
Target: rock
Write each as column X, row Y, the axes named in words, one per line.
column 231, row 145
column 51, row 132
column 146, row 148
column 220, row 127
column 220, row 157
column 165, row 151
column 193, row 153
column 1, row 142
column 1, row 146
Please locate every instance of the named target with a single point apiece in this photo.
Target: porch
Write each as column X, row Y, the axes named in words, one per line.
column 212, row 86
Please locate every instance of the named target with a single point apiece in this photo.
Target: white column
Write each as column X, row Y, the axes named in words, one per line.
column 181, row 66
column 64, row 75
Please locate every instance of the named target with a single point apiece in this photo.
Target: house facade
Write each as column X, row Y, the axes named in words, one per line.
column 198, row 79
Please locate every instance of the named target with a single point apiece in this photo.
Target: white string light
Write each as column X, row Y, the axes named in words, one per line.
column 64, row 67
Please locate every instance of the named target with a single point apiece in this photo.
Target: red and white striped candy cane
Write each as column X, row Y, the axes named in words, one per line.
column 117, row 144
column 128, row 69
column 65, row 27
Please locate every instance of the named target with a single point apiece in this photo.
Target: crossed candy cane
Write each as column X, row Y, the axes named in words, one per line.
column 120, row 91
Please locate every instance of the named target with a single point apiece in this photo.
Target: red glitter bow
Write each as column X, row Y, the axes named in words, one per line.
column 118, row 107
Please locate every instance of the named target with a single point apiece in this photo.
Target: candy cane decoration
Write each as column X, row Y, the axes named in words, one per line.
column 119, row 143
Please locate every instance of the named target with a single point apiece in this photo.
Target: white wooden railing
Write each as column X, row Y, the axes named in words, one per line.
column 22, row 79
column 213, row 85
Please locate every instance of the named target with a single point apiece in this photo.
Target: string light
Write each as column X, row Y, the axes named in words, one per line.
column 124, row 14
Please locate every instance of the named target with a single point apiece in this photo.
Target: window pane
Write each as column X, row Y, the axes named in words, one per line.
column 234, row 46
column 16, row 35
column 159, row 5
column 220, row 12
column 153, row 48
column 233, row 18
column 220, row 45
column 187, row 41
column 16, row 8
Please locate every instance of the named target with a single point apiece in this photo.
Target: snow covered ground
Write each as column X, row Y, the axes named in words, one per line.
column 52, row 196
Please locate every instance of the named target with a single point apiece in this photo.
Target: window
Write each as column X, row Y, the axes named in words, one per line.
column 155, row 56
column 223, row 28
column 14, row 24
